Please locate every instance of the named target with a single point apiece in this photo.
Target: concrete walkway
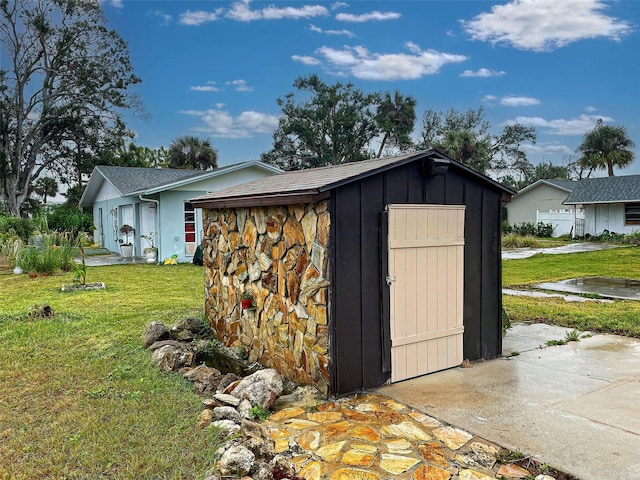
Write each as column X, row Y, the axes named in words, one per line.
column 574, row 407
column 517, row 253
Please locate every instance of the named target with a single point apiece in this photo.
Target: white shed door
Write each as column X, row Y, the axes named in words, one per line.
column 426, row 257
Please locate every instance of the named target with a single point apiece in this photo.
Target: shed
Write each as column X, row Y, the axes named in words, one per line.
column 361, row 273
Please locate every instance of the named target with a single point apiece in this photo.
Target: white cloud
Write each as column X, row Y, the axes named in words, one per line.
column 347, row 33
column 208, row 87
column 374, row 16
column 361, row 63
column 549, row 148
column 590, row 109
column 489, row 98
column 113, row 3
column 166, row 18
column 561, row 126
column 199, row 17
column 339, row 5
column 513, row 101
column 221, row 124
column 241, row 11
column 240, row 85
column 306, row 60
column 483, row 73
column 543, row 25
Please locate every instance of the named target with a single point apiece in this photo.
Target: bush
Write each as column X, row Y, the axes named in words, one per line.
column 524, row 229
column 517, row 241
column 48, row 254
column 66, row 218
column 19, row 227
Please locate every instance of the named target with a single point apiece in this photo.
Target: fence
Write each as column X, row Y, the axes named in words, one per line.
column 562, row 221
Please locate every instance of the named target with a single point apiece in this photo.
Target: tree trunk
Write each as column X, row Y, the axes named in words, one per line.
column 610, row 168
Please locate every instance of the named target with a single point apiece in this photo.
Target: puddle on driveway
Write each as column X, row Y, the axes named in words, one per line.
column 621, row 288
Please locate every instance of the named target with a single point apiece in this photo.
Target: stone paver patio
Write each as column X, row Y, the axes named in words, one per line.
column 373, row 437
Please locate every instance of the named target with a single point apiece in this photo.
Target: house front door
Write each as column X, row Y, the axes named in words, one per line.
column 426, row 257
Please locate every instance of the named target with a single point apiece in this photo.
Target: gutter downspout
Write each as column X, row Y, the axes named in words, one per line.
column 157, row 202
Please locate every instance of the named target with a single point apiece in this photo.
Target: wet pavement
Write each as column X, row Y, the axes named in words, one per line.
column 574, row 407
column 620, row 288
column 517, row 253
column 111, row 259
column 373, row 437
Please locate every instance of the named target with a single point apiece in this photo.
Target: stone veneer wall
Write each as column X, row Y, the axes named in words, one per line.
column 278, row 253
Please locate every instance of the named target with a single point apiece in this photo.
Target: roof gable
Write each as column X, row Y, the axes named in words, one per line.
column 606, row 190
column 305, row 185
column 564, row 185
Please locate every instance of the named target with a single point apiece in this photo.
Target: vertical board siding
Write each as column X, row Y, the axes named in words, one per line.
column 426, row 248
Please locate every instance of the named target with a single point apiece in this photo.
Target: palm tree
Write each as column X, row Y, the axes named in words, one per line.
column 606, row 146
column 191, row 152
column 396, row 118
column 46, row 187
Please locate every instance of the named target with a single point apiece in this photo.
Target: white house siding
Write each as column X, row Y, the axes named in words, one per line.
column 524, row 207
column 608, row 216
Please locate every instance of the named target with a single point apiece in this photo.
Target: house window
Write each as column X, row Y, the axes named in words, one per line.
column 189, row 223
column 632, row 214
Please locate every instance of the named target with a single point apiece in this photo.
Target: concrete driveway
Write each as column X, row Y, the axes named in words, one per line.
column 575, row 407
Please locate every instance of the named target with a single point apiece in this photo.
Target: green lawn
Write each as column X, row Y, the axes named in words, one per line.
column 622, row 317
column 79, row 396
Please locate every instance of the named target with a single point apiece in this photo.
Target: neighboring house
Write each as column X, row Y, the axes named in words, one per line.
column 610, row 203
column 361, row 273
column 155, row 200
column 542, row 201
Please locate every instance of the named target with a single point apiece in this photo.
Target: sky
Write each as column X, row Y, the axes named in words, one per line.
column 214, row 69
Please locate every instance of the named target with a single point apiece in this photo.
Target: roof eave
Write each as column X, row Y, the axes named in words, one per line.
column 307, row 196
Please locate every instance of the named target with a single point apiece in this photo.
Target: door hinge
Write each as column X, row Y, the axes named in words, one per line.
column 390, row 279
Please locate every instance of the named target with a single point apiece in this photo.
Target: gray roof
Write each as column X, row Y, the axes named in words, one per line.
column 606, row 190
column 300, row 185
column 145, row 181
column 131, row 180
column 566, row 185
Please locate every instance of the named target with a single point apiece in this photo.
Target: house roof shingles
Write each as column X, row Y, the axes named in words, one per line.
column 606, row 190
column 129, row 180
column 302, row 184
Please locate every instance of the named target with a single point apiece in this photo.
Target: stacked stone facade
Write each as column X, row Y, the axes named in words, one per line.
column 280, row 255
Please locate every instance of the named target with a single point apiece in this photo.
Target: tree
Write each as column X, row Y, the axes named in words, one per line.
column 335, row 125
column 191, row 152
column 605, row 147
column 465, row 137
column 46, row 187
column 396, row 118
column 68, row 80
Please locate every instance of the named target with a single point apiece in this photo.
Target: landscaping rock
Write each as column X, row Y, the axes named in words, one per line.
column 302, row 397
column 172, row 359
column 192, row 325
column 284, row 463
column 261, row 388
column 226, row 413
column 155, row 332
column 205, row 379
column 205, row 419
column 236, row 461
column 244, row 409
column 156, row 345
column 226, row 425
column 261, row 471
column 261, row 447
column 227, row 399
column 227, row 380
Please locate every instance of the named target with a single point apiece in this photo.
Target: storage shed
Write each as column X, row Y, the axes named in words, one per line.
column 361, row 273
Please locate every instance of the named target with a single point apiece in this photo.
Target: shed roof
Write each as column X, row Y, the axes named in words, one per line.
column 312, row 184
column 565, row 185
column 605, row 190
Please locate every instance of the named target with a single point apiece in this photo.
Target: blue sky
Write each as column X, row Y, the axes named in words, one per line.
column 215, row 68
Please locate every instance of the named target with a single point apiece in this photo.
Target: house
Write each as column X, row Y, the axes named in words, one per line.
column 154, row 200
column 609, row 203
column 362, row 273
column 542, row 201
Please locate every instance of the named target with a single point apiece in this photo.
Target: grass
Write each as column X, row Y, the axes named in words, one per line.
column 621, row 317
column 79, row 396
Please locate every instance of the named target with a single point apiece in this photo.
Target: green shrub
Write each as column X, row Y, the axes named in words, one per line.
column 17, row 226
column 66, row 218
column 524, row 229
column 47, row 254
column 513, row 240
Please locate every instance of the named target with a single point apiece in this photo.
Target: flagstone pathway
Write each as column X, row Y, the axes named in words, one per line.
column 373, row 437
